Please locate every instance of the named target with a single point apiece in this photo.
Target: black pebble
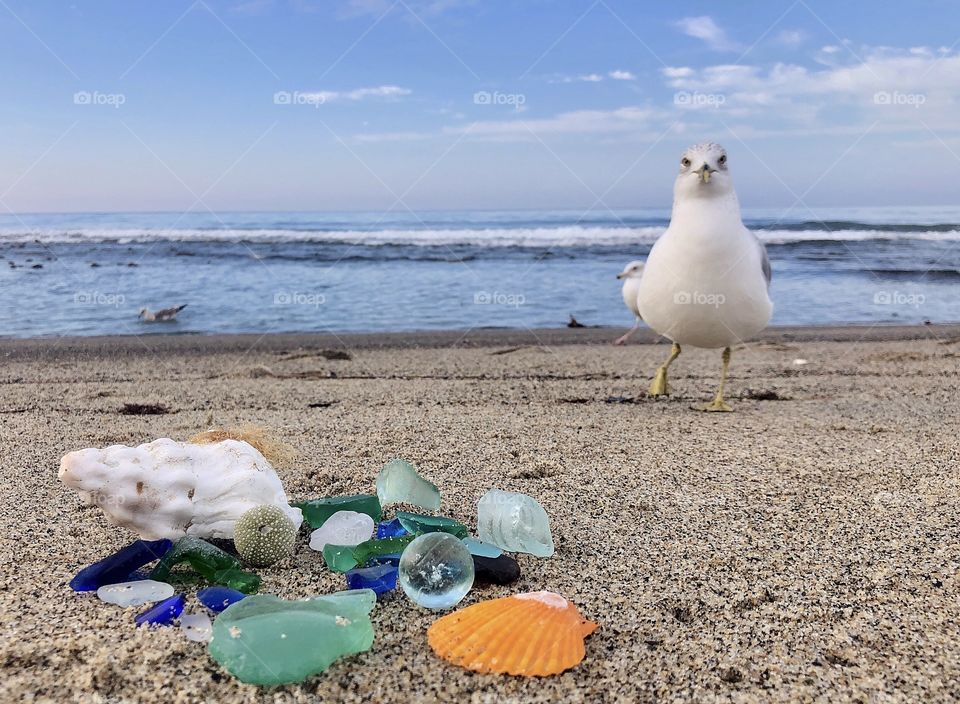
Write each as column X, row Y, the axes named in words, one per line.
column 496, row 570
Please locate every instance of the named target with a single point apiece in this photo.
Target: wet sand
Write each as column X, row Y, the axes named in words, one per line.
column 804, row 547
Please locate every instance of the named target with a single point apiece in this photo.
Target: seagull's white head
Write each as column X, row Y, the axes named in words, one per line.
column 703, row 173
column 633, row 270
column 143, row 312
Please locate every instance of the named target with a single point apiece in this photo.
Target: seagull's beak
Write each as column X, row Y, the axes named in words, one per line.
column 622, row 275
column 704, row 173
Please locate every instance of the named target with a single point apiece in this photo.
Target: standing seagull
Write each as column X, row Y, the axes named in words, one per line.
column 706, row 281
column 631, row 286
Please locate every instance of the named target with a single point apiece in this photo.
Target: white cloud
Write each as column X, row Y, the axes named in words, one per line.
column 899, row 89
column 358, row 94
column 632, row 121
column 890, row 91
column 791, row 38
column 375, row 137
column 706, row 29
column 252, row 7
column 616, row 75
column 583, row 78
column 623, row 119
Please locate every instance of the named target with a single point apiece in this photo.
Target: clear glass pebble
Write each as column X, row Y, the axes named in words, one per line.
column 399, row 483
column 144, row 591
column 436, row 571
column 514, row 522
column 197, row 627
column 343, row 528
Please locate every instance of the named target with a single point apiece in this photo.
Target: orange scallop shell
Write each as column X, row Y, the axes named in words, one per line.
column 534, row 634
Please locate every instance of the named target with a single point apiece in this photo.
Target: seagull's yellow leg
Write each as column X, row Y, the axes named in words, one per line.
column 718, row 403
column 659, row 386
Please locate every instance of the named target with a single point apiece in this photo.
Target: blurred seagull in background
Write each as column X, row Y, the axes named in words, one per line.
column 631, row 287
column 706, row 281
column 161, row 316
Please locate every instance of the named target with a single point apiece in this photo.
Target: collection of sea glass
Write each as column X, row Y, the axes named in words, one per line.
column 263, row 639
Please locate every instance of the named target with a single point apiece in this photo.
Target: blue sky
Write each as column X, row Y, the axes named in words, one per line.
column 437, row 104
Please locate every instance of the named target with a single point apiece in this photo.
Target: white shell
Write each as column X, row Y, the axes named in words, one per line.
column 167, row 489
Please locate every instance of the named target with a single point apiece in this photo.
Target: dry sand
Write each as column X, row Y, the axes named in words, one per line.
column 802, row 548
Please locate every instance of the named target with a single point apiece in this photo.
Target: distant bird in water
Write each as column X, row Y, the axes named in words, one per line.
column 631, row 287
column 706, row 281
column 161, row 316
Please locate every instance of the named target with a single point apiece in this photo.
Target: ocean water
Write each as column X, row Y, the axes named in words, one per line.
column 89, row 274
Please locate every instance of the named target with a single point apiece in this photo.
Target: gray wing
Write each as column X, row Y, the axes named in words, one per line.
column 764, row 259
column 169, row 312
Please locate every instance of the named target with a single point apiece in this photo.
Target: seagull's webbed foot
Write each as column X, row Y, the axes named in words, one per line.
column 659, row 385
column 719, row 405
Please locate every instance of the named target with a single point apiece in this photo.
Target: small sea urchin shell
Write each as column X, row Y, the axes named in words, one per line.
column 264, row 535
column 534, row 634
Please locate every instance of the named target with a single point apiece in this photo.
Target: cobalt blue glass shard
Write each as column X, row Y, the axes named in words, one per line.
column 117, row 567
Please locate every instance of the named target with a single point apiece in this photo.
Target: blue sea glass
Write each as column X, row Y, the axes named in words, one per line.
column 381, row 578
column 217, row 598
column 390, row 529
column 137, row 575
column 164, row 613
column 478, row 547
column 117, row 567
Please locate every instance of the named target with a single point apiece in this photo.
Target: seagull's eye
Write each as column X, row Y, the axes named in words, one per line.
column 722, row 160
column 684, row 162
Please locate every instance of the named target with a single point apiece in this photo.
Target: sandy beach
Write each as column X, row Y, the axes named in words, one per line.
column 803, row 548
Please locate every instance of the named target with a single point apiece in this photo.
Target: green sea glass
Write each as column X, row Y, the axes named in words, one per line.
column 399, row 483
column 418, row 523
column 342, row 558
column 266, row 640
column 216, row 566
column 317, row 511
